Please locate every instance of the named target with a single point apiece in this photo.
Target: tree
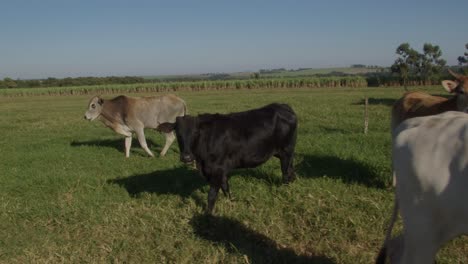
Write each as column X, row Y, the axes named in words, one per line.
column 407, row 64
column 425, row 67
column 463, row 60
column 9, row 83
column 431, row 63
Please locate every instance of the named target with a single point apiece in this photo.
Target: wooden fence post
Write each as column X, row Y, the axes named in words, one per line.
column 366, row 115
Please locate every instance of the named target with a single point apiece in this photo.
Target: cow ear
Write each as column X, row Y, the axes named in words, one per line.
column 100, row 101
column 449, row 85
column 166, row 127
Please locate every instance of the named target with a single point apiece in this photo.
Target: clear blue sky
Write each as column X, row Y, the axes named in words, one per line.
column 42, row 39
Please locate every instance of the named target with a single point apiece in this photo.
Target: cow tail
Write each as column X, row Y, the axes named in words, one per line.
column 383, row 251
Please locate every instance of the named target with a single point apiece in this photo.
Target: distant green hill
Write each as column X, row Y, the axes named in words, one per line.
column 267, row 73
column 315, row 71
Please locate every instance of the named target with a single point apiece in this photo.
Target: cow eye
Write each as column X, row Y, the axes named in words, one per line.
column 93, row 106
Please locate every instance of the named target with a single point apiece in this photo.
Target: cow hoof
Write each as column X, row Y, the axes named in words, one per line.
column 208, row 212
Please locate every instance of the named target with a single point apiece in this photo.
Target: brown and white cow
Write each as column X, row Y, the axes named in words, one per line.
column 416, row 104
column 430, row 160
column 126, row 115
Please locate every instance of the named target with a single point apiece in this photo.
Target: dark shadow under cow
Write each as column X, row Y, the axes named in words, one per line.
column 180, row 181
column 221, row 143
column 349, row 171
column 236, row 237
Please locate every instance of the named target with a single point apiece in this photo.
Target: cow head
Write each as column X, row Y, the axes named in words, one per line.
column 459, row 88
column 186, row 129
column 94, row 108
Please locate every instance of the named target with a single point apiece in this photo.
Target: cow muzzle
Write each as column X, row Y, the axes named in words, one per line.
column 186, row 158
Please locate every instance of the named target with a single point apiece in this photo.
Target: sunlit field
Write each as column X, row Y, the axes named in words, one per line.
column 68, row 194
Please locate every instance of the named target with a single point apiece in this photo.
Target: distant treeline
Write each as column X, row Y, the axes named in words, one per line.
column 79, row 81
column 382, row 77
column 207, row 85
column 365, row 66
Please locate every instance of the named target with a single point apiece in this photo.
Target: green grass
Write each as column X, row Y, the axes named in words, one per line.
column 68, row 194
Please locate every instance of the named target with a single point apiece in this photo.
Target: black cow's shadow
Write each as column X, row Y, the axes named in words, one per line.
column 237, row 238
column 349, row 170
column 314, row 166
column 179, row 181
column 184, row 181
column 259, row 174
column 118, row 144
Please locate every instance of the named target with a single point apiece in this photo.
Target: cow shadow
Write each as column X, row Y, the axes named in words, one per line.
column 179, row 181
column 237, row 238
column 377, row 101
column 117, row 144
column 348, row 170
column 259, row 174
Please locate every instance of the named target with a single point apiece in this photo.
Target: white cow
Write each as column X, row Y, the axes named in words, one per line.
column 430, row 160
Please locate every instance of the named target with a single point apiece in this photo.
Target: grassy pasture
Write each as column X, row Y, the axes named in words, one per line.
column 68, row 194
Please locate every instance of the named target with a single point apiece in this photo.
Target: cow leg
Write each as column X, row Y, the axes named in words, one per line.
column 225, row 187
column 287, row 168
column 420, row 237
column 170, row 137
column 214, row 189
column 128, row 144
column 141, row 138
column 419, row 250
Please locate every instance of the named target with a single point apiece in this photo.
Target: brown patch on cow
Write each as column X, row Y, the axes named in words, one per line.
column 415, row 104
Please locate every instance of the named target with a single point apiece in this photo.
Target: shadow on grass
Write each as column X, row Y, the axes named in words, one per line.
column 377, row 101
column 349, row 171
column 180, row 181
column 118, row 144
column 259, row 174
column 184, row 181
column 237, row 238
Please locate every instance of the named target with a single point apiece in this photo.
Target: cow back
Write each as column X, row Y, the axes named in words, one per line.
column 152, row 111
column 245, row 139
column 416, row 104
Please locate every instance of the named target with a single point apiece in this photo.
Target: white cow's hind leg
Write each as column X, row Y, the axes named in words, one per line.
column 128, row 144
column 141, row 138
column 420, row 244
column 170, row 137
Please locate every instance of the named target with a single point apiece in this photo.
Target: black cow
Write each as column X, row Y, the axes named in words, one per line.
column 220, row 143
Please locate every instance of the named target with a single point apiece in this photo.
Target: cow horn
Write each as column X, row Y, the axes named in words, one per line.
column 456, row 75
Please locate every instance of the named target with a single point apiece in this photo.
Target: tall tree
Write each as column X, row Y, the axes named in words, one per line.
column 431, row 63
column 425, row 67
column 407, row 64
